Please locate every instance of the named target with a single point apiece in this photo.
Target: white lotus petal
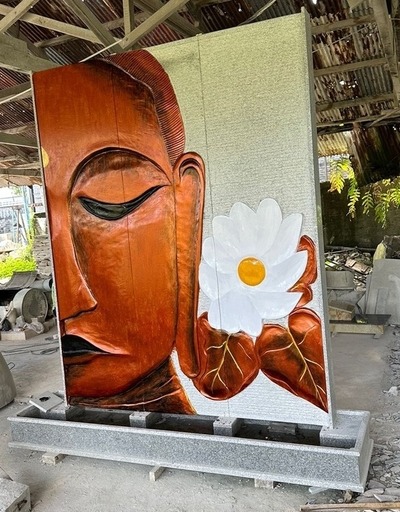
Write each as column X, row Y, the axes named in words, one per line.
column 215, row 255
column 224, row 231
column 272, row 306
column 222, row 320
column 286, row 241
column 283, row 276
column 213, row 283
column 234, row 312
column 269, row 219
column 245, row 221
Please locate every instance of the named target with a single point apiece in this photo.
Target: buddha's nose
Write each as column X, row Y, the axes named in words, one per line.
column 73, row 294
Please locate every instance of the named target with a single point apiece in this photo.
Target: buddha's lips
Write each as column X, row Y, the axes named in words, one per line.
column 76, row 346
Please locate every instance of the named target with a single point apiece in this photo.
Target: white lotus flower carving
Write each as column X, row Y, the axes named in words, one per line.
column 249, row 265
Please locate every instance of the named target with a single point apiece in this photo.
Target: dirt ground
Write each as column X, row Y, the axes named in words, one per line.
column 365, row 370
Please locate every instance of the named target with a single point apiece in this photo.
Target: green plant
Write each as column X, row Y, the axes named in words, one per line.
column 340, row 171
column 11, row 265
column 380, row 197
column 377, row 197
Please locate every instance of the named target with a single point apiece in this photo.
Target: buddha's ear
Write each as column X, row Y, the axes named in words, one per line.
column 189, row 193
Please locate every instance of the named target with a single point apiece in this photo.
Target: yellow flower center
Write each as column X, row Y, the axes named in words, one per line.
column 251, row 271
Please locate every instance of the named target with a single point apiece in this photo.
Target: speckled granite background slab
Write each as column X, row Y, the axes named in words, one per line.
column 246, row 97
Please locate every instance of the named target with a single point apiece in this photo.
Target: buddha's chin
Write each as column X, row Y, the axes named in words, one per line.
column 94, row 375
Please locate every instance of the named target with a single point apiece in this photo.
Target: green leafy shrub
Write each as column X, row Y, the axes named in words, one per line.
column 11, row 265
column 377, row 197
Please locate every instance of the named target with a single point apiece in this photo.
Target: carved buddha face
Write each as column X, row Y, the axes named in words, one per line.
column 125, row 220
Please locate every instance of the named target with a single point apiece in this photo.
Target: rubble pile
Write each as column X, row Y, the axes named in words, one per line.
column 356, row 261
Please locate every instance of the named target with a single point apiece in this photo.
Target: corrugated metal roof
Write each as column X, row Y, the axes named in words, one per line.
column 329, row 49
column 333, row 144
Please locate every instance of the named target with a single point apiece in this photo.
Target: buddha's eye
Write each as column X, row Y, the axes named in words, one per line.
column 115, row 211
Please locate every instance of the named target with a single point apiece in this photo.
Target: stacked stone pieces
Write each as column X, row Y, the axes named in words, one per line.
column 42, row 255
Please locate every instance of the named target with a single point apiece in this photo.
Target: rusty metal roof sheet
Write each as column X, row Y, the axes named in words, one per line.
column 334, row 48
column 333, row 144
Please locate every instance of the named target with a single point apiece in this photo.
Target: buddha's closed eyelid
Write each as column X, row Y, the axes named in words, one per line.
column 115, row 211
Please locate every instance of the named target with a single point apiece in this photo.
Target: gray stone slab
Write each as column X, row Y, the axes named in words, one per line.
column 244, row 160
column 322, row 466
column 343, row 434
column 14, row 496
column 339, row 280
column 386, row 274
column 7, row 386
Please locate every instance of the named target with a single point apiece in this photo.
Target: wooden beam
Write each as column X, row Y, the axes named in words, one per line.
column 86, row 15
column 129, row 16
column 56, row 41
column 17, row 140
column 12, row 171
column 9, row 158
column 15, row 55
column 341, row 24
column 111, row 25
column 175, row 21
column 151, row 23
column 57, row 26
column 15, row 31
column 15, row 14
column 365, row 119
column 329, row 105
column 23, row 90
column 30, row 165
column 352, row 66
column 16, row 130
column 355, row 507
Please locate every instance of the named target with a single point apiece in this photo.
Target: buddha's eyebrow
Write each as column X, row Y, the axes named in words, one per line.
column 115, row 211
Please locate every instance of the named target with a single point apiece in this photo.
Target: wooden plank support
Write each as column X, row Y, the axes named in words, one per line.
column 86, row 15
column 15, row 55
column 129, row 16
column 341, row 24
column 57, row 26
column 326, row 507
column 15, row 14
column 51, row 459
column 151, row 23
column 264, row 484
column 156, row 472
column 17, row 140
column 352, row 66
